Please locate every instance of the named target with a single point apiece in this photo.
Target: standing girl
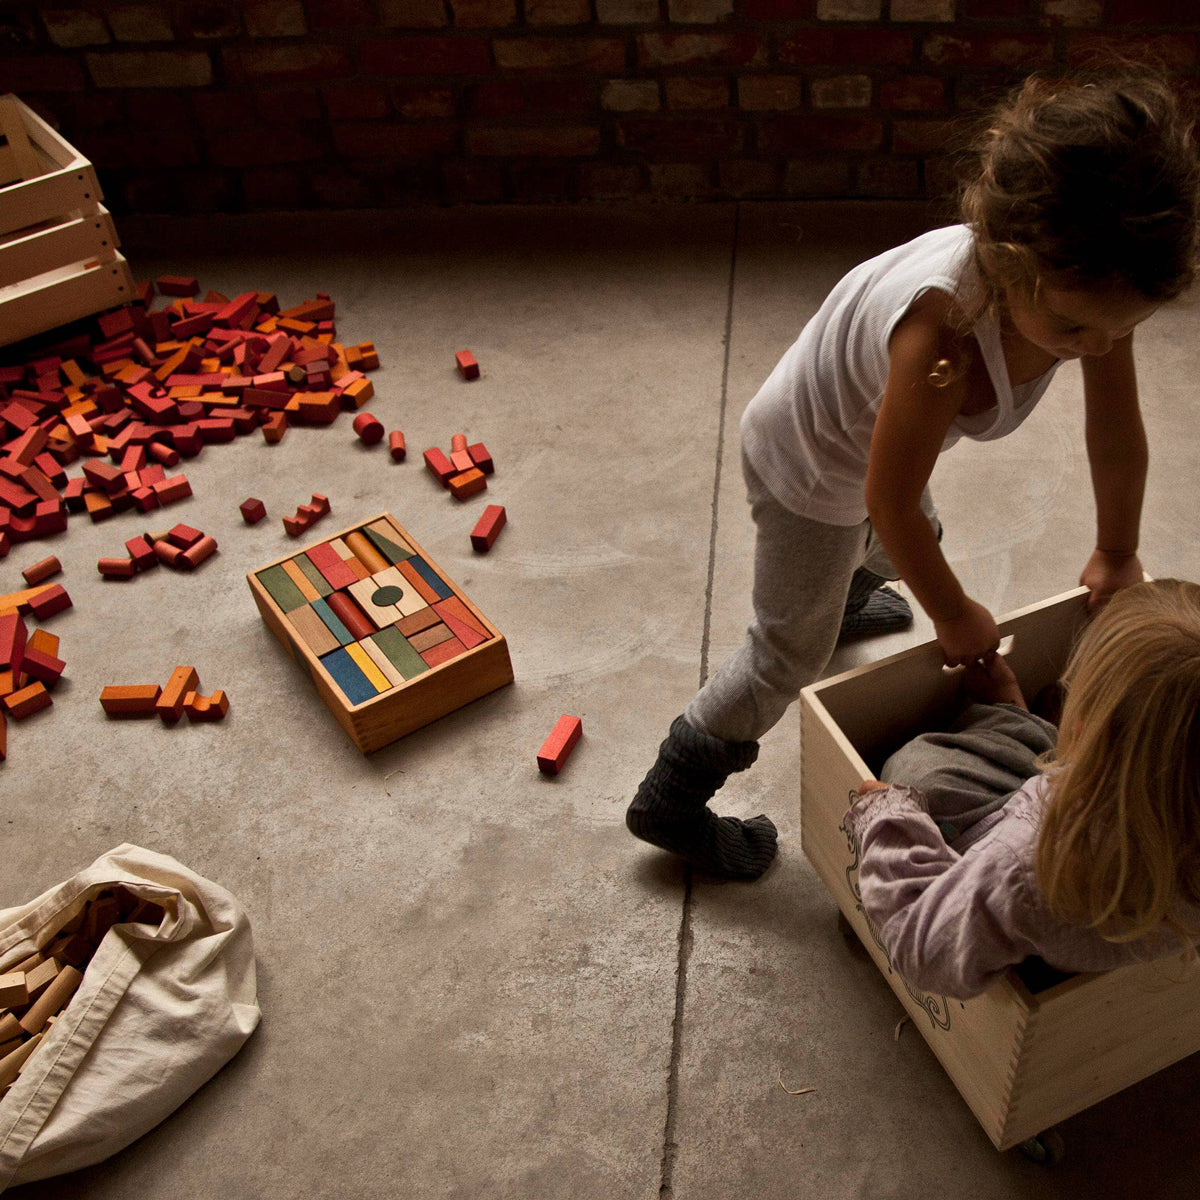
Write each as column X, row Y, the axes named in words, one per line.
column 1079, row 221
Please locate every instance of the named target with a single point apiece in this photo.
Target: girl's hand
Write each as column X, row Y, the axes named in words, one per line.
column 971, row 635
column 1107, row 573
column 993, row 682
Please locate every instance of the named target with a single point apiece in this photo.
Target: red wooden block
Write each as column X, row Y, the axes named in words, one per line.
column 177, row 285
column 558, row 746
column 252, row 510
column 468, row 484
column 145, row 498
column 142, row 553
column 396, row 446
column 116, row 568
column 184, row 536
column 443, row 652
column 481, row 458
column 350, row 615
column 321, row 503
column 369, row 428
column 488, row 527
column 327, row 560
column 195, row 554
column 467, row 366
column 167, row 455
column 53, row 600
column 12, row 642
column 175, row 488
column 295, row 526
column 462, row 460
column 45, row 668
column 28, row 700
column 42, row 570
column 274, row 427
column 440, row 467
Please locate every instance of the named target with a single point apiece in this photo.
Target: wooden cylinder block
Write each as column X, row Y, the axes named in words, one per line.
column 350, row 615
column 366, row 554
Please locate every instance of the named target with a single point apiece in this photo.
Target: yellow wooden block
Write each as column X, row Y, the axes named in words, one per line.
column 378, row 680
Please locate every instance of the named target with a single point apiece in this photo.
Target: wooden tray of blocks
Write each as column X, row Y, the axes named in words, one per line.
column 58, row 248
column 1037, row 1046
column 390, row 642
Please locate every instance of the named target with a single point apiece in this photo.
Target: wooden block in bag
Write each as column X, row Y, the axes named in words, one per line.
column 52, row 1000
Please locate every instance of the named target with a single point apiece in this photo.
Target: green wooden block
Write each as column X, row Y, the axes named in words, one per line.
column 282, row 590
column 389, row 549
column 333, row 621
column 312, row 574
column 399, row 653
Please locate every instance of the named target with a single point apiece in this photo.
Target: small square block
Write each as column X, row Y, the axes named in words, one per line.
column 252, row 510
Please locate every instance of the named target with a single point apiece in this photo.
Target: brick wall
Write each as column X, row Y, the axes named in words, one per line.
column 273, row 104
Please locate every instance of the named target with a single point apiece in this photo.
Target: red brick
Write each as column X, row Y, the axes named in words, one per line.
column 1025, row 50
column 857, row 47
column 690, row 94
column 71, row 28
column 308, row 60
column 220, row 110
column 378, row 140
column 747, row 178
column 210, row 20
column 801, row 135
column 412, row 14
column 340, row 189
column 676, row 139
column 920, row 137
column 472, row 182
column 538, row 53
column 992, row 10
column 560, row 97
column 1152, row 12
column 418, row 103
column 840, row 91
column 888, row 178
column 356, row 103
column 263, row 145
column 274, row 188
column 44, row 73
column 557, row 12
column 538, row 180
column 681, row 180
column 627, row 12
column 274, row 18
column 765, row 92
column 427, row 56
column 289, row 105
column 497, row 98
column 340, row 14
column 151, row 68
column 538, row 141
column 817, row 177
column 608, row 181
column 127, row 148
column 913, row 93
column 484, row 14
column 1073, row 13
column 778, row 10
column 699, row 49
column 1174, row 51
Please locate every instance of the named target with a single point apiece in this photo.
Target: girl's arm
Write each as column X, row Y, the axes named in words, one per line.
column 1118, row 457
column 912, row 424
column 950, row 923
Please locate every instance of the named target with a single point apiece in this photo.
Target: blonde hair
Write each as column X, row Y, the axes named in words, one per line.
column 1119, row 846
column 1084, row 182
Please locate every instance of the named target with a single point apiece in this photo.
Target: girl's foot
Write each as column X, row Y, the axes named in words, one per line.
column 883, row 611
column 670, row 809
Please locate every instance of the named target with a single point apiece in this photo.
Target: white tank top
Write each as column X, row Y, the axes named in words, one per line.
column 807, row 432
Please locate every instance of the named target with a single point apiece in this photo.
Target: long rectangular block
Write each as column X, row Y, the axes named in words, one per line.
column 377, row 684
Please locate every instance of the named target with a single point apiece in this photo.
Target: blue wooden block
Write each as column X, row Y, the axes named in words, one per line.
column 348, row 677
column 430, row 576
column 333, row 621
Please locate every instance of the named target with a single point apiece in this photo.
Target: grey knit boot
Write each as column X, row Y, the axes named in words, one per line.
column 872, row 608
column 670, row 809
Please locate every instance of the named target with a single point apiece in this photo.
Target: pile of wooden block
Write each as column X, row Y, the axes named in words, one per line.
column 465, row 472
column 35, row 991
column 29, row 662
column 152, row 387
column 181, row 546
column 181, row 695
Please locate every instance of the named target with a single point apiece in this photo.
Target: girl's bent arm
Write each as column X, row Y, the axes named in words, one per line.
column 1118, row 458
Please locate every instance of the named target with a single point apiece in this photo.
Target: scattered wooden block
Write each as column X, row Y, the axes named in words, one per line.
column 439, row 466
column 136, row 700
column 558, row 746
column 467, row 366
column 481, row 458
column 488, row 527
column 117, row 568
column 142, row 553
column 45, row 668
column 177, row 285
column 252, row 510
column 169, row 705
column 42, row 570
column 48, row 601
column 195, row 554
column 274, row 427
column 369, row 428
column 467, row 484
column 396, row 446
column 205, row 708
column 27, row 700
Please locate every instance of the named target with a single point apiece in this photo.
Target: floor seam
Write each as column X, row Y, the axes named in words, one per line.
column 666, row 1188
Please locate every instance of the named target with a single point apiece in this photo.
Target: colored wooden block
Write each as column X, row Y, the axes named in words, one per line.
column 369, row 428
column 175, row 488
column 142, row 553
column 302, row 581
column 117, row 568
column 194, row 555
column 312, row 630
column 13, row 990
column 332, row 622
column 460, row 459
column 350, row 615
column 423, row 618
column 200, row 708
column 417, row 581
column 132, row 700
column 381, row 615
column 382, row 662
column 400, row 653
column 311, row 573
column 49, row 601
column 410, row 600
column 393, row 550
column 274, row 427
column 184, row 536
column 252, row 510
column 396, row 446
column 177, row 285
column 462, row 621
column 467, row 366
column 443, row 652
column 467, row 484
column 169, row 705
column 320, row 503
column 488, row 527
column 42, row 570
column 346, row 674
column 360, row 546
column 45, row 668
column 13, row 636
column 366, row 664
column 558, row 746
column 481, row 458
column 43, row 641
column 53, row 999
column 439, row 586
column 27, row 700
column 428, row 638
column 439, row 466
column 331, row 564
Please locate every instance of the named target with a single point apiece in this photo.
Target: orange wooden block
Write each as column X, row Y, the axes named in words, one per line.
column 44, row 641
column 169, row 705
column 205, row 708
column 396, row 446
column 136, row 700
column 558, row 746
column 467, row 366
column 28, row 700
column 467, row 484
column 41, row 570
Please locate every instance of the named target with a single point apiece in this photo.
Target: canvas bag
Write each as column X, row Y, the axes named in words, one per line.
column 158, row 1013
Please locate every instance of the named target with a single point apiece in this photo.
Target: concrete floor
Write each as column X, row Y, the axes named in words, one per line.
column 474, row 982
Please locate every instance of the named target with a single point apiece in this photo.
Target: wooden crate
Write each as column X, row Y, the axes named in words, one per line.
column 1030, row 1051
column 58, row 248
column 404, row 706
